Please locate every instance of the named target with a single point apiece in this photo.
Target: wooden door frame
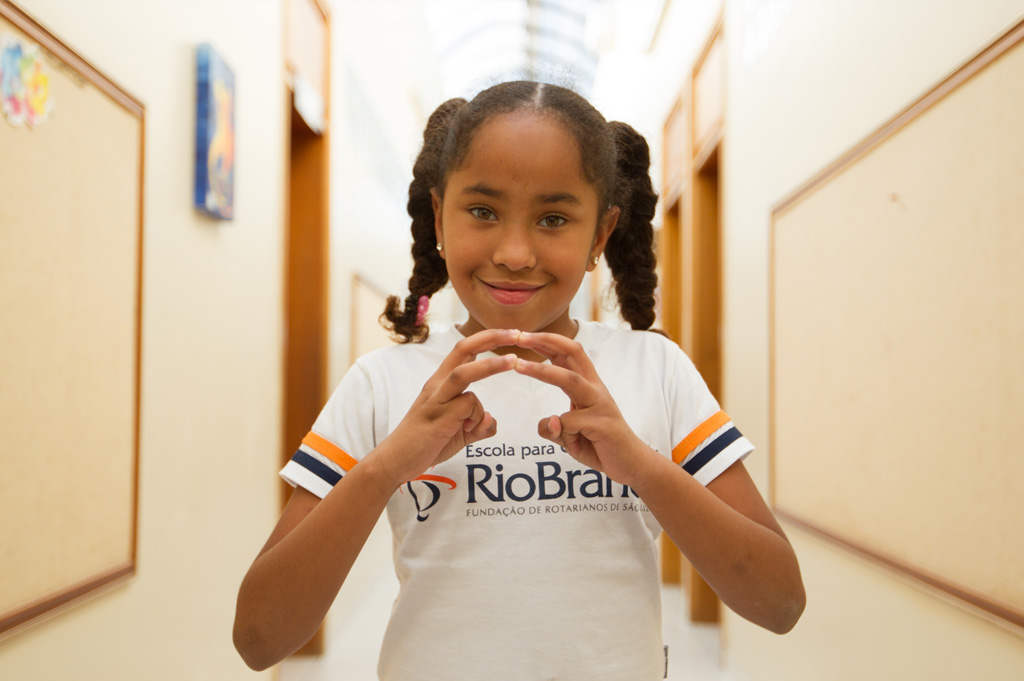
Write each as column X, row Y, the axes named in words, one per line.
column 690, row 262
column 306, row 267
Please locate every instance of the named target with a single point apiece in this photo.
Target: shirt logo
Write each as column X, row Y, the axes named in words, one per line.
column 429, row 490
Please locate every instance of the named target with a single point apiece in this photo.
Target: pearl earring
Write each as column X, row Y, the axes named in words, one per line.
column 596, row 258
column 439, row 247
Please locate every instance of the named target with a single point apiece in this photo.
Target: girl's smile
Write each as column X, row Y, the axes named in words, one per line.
column 511, row 293
column 519, row 225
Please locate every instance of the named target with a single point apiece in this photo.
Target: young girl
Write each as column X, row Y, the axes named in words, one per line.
column 528, row 461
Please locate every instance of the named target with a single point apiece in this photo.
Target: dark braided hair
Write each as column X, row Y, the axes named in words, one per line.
column 614, row 157
column 630, row 248
column 429, row 273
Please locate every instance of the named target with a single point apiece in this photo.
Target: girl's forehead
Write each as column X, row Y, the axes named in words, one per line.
column 521, row 126
column 534, row 145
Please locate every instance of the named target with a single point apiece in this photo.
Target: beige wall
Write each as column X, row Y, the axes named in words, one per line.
column 805, row 82
column 211, row 355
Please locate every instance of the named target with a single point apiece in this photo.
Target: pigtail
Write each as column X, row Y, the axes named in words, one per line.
column 429, row 273
column 630, row 248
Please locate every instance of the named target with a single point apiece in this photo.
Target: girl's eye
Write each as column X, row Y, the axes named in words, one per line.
column 552, row 221
column 481, row 213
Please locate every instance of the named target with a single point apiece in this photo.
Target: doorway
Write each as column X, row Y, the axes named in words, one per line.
column 690, row 258
column 305, row 299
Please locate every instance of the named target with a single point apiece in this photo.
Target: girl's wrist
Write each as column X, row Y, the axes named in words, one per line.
column 375, row 468
column 650, row 468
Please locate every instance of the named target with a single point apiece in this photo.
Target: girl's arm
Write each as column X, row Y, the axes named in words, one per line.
column 730, row 536
column 290, row 586
column 725, row 529
column 296, row 577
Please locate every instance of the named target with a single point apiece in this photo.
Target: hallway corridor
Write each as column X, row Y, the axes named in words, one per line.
column 204, row 209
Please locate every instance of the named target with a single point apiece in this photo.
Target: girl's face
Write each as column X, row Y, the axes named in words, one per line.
column 519, row 225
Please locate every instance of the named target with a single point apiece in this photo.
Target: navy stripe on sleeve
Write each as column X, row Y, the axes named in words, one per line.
column 325, row 473
column 713, row 449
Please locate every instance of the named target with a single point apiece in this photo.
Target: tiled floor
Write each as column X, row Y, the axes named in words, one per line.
column 353, row 644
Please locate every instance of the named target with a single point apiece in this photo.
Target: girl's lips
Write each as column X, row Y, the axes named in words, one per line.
column 511, row 294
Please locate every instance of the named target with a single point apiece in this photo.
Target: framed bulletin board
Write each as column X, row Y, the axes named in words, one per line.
column 897, row 383
column 70, row 285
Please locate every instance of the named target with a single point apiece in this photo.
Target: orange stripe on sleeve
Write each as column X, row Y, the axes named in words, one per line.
column 699, row 434
column 330, row 450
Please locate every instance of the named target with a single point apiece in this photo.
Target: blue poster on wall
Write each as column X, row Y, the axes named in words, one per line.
column 215, row 135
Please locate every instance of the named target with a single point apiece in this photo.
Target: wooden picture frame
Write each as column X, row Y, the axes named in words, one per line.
column 70, row 279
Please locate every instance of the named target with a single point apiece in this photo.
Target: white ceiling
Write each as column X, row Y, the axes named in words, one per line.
column 560, row 41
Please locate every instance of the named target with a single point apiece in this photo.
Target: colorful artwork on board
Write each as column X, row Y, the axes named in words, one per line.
column 24, row 83
column 215, row 135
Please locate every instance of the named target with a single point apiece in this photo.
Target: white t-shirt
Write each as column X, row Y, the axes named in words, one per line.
column 515, row 561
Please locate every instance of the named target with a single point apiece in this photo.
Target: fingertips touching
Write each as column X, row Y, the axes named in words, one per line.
column 483, row 341
column 493, row 365
column 526, row 367
column 506, row 337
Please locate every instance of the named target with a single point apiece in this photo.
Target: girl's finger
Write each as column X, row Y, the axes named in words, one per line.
column 551, row 429
column 487, row 427
column 476, row 410
column 460, row 377
column 581, row 392
column 464, row 408
column 554, row 426
column 576, row 425
column 562, row 351
column 467, row 349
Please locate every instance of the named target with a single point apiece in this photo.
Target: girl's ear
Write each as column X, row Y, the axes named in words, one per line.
column 435, row 202
column 604, row 230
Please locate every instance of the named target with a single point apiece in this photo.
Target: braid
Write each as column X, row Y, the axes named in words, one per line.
column 630, row 249
column 429, row 273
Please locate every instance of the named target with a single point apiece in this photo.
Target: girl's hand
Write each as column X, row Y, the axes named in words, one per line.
column 446, row 417
column 593, row 430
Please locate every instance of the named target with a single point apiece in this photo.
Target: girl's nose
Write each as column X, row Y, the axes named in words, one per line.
column 514, row 249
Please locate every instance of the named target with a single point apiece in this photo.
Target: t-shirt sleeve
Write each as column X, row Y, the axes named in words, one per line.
column 341, row 435
column 706, row 440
